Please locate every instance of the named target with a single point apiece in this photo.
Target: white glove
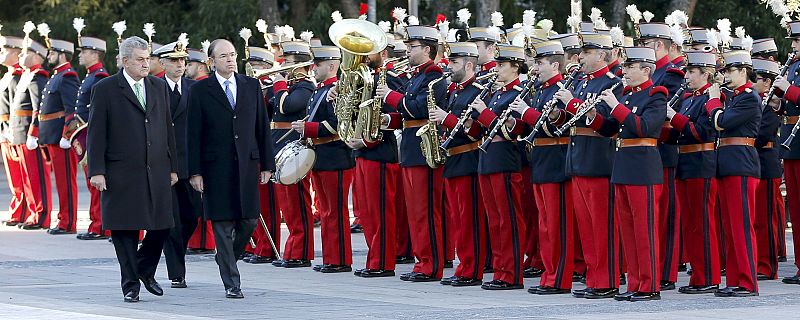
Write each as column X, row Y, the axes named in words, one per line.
column 64, row 144
column 670, row 113
column 32, row 143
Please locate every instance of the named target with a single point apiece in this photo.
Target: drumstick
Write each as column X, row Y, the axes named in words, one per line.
column 288, row 132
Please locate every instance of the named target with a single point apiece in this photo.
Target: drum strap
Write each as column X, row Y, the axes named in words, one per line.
column 316, row 105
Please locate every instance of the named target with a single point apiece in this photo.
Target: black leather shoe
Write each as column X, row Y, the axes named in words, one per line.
column 763, row 277
column 743, row 292
column 356, row 228
column 131, row 297
column 29, row 226
column 407, row 276
column 622, row 279
column 331, row 268
column 580, row 293
column 782, row 259
column 448, row 264
column 372, row 273
column 55, row 231
column 404, row 260
column 545, row 290
column 698, row 289
column 199, row 251
column 531, row 272
column 358, row 272
column 667, row 285
column 645, row 296
column 500, row 285
column 295, row 263
column 466, row 282
column 795, row 279
column 724, row 292
column 11, row 223
column 178, row 283
column 606, row 293
column 624, row 296
column 91, row 236
column 152, row 286
column 256, row 259
column 234, row 293
column 244, row 256
column 278, row 263
column 318, row 267
column 421, row 277
column 449, row 280
column 682, row 267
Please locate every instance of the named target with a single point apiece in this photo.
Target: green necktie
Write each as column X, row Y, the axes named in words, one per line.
column 138, row 90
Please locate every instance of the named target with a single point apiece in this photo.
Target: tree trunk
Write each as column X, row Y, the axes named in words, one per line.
column 618, row 13
column 349, row 9
column 484, row 12
column 372, row 15
column 685, row 5
column 298, row 12
column 269, row 12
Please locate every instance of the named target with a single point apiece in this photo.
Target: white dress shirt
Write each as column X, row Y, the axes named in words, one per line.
column 172, row 84
column 131, row 82
column 231, row 85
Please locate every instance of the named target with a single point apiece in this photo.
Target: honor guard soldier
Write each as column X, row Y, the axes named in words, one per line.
column 464, row 202
column 91, row 55
column 696, row 181
column 551, row 185
column 769, row 201
column 58, row 102
column 24, row 109
column 332, row 177
column 156, row 69
column 290, row 103
column 658, row 37
column 589, row 163
column 618, row 53
column 499, row 171
column 375, row 182
column 422, row 184
column 202, row 240
column 737, row 121
column 18, row 208
column 486, row 39
column 636, row 120
column 791, row 158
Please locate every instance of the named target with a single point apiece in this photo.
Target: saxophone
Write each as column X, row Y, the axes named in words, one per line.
column 368, row 124
column 429, row 133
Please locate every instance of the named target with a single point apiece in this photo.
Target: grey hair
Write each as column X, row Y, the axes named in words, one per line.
column 130, row 43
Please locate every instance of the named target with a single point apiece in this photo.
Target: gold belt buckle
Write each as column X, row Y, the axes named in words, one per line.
column 619, row 143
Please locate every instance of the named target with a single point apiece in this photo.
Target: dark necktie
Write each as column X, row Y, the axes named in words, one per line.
column 175, row 97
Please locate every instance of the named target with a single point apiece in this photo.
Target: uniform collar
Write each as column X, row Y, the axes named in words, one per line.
column 613, row 64
column 328, row 82
column 489, row 66
column 598, row 73
column 465, row 84
column 389, row 66
column 62, row 67
column 510, row 85
column 662, row 62
column 202, row 77
column 95, row 67
column 743, row 88
column 644, row 86
column 677, row 60
column 553, row 80
column 421, row 68
column 702, row 90
column 16, row 69
column 39, row 70
column 161, row 74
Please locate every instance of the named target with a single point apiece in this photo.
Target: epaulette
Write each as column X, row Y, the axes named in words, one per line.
column 433, row 68
column 677, row 71
column 687, row 95
column 659, row 89
column 101, row 75
column 70, row 74
column 43, row 72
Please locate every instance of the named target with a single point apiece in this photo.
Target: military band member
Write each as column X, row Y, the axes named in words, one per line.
column 769, row 201
column 589, row 159
column 24, row 108
column 658, row 37
column 294, row 201
column 499, row 173
column 737, row 121
column 422, row 185
column 551, row 185
column 156, row 69
column 696, row 183
column 58, row 102
column 463, row 201
column 91, row 55
column 18, row 208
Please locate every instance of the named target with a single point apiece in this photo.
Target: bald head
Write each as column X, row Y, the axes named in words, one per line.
column 223, row 57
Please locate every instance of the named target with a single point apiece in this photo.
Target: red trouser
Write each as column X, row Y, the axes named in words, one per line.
column 533, row 255
column 791, row 173
column 637, row 209
column 449, row 228
column 466, row 206
column 294, row 202
column 333, row 190
column 579, row 262
column 95, row 215
column 422, row 187
column 18, row 208
column 768, row 205
column 403, row 233
column 699, row 224
column 721, row 234
column 272, row 218
column 65, row 165
column 556, row 233
column 594, row 211
column 203, row 236
column 36, row 184
column 669, row 231
column 374, row 194
column 738, row 213
column 506, row 220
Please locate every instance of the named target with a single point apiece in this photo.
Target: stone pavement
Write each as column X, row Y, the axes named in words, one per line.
column 60, row 277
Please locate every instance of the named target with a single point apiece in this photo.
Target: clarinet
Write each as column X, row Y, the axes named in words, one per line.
column 500, row 123
column 677, row 97
column 771, row 92
column 548, row 107
column 466, row 114
column 584, row 108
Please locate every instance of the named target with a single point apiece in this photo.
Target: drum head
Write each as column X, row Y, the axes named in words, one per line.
column 296, row 166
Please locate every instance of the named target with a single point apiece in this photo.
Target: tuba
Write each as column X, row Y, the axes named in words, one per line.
column 357, row 39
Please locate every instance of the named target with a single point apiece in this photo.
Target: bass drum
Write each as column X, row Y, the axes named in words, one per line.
column 293, row 162
column 78, row 142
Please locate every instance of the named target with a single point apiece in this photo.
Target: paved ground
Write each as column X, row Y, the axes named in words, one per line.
column 59, row 277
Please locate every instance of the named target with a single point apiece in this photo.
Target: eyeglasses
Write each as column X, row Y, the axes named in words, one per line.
column 412, row 46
